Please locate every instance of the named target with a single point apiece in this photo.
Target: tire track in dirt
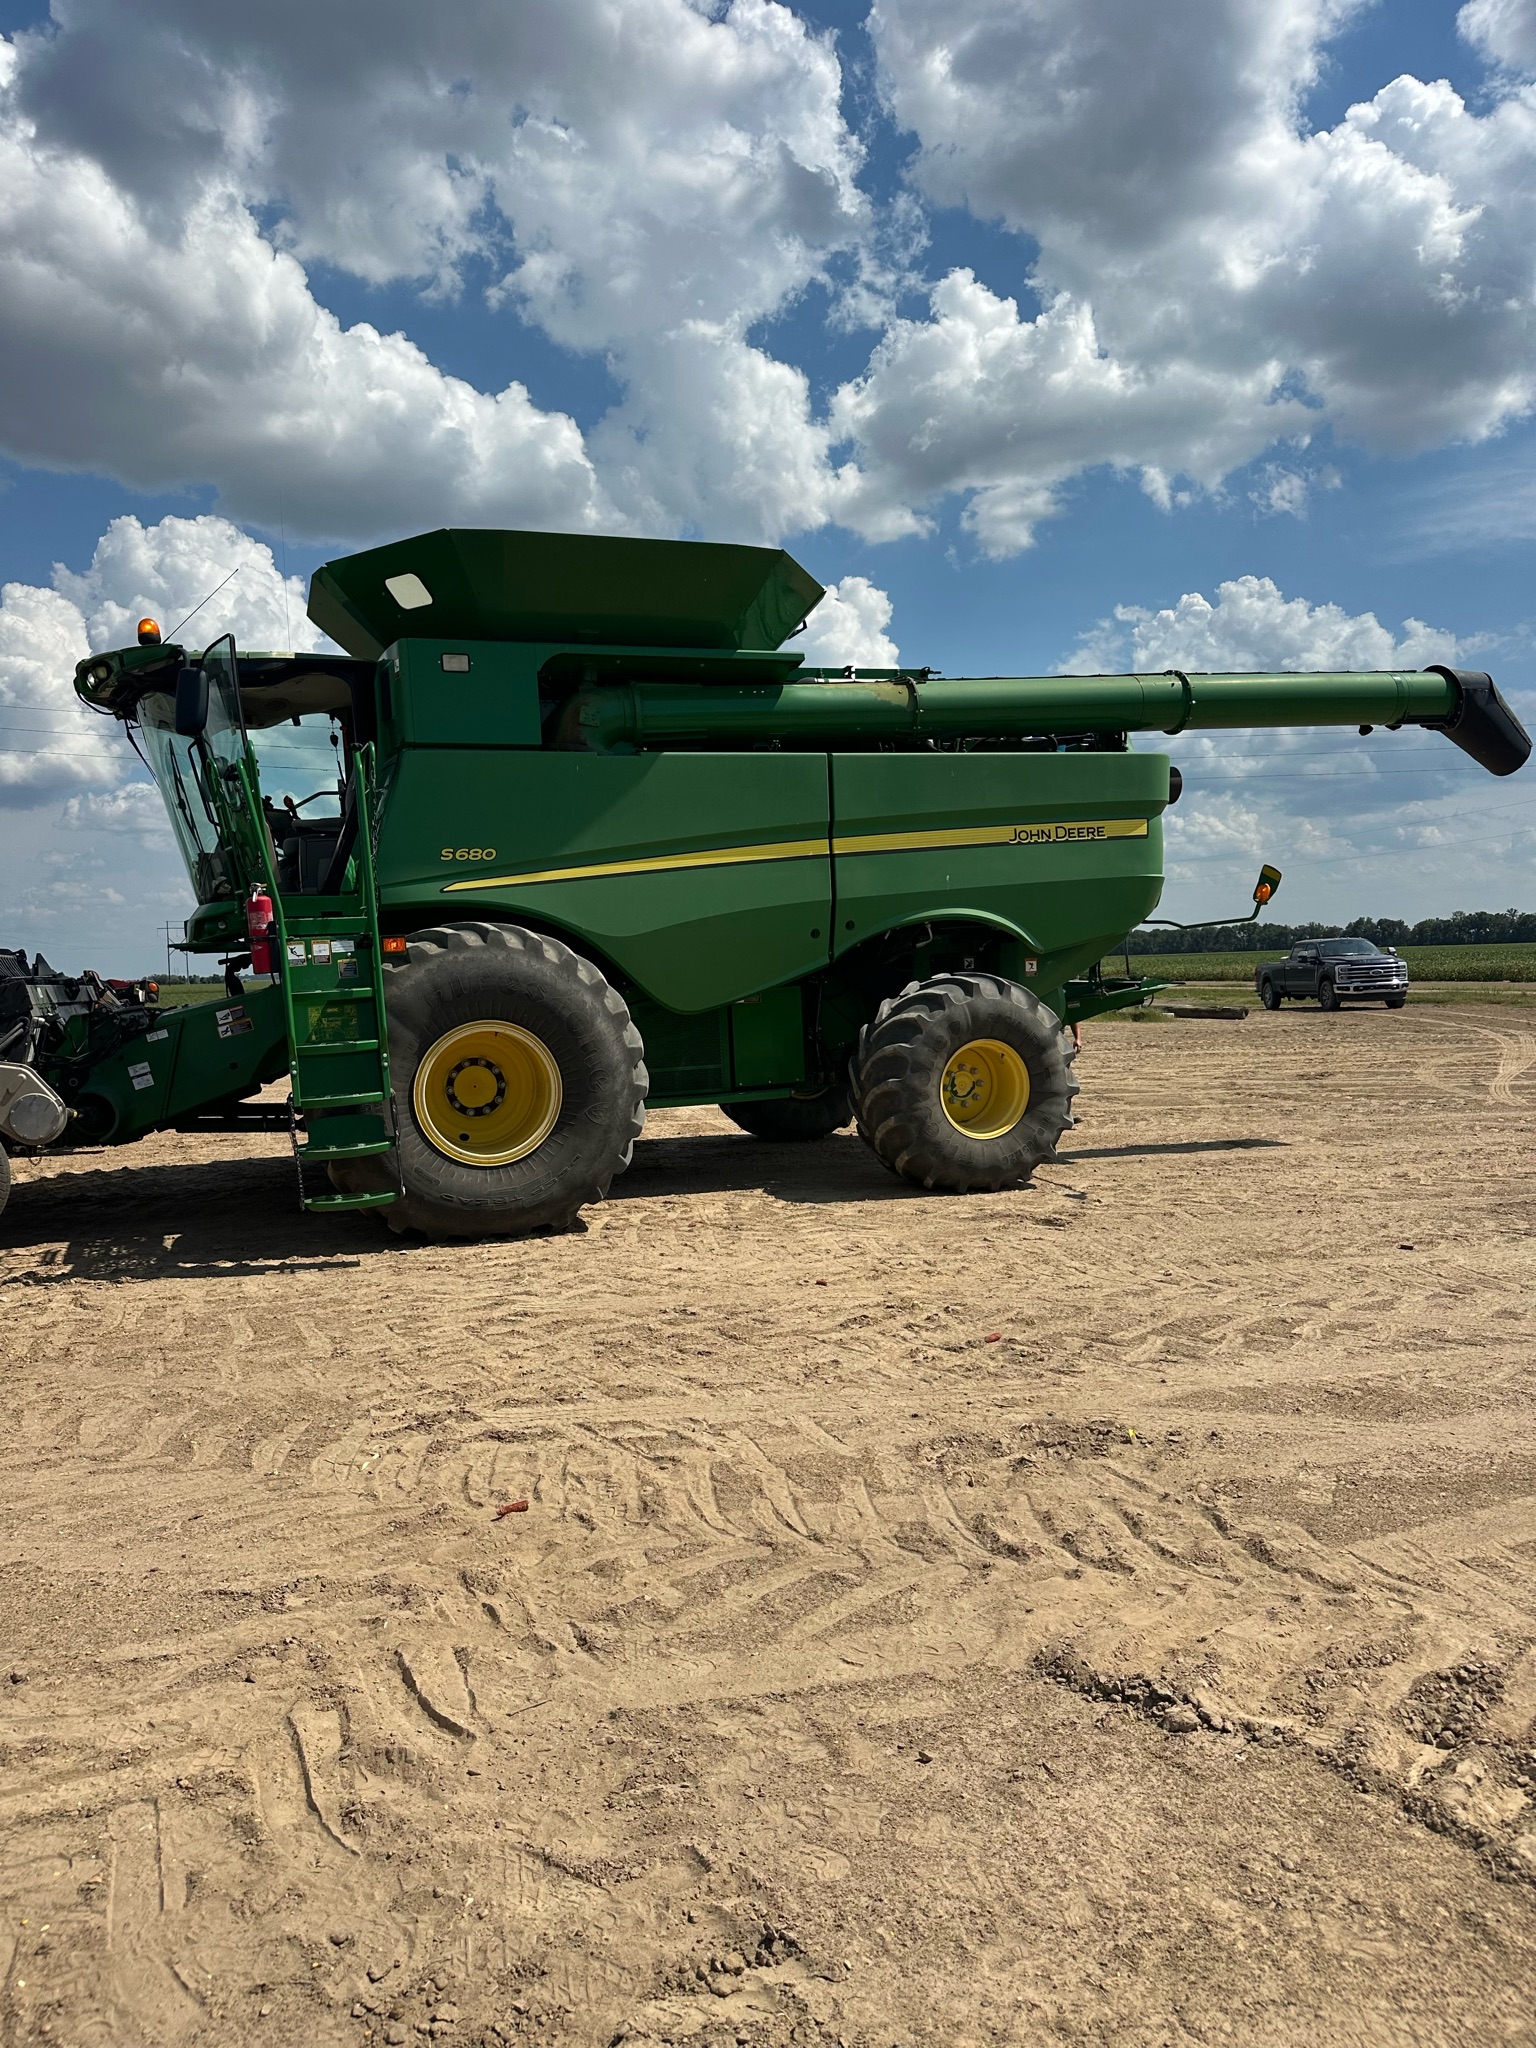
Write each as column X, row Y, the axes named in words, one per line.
column 1517, row 1055
column 1234, row 1448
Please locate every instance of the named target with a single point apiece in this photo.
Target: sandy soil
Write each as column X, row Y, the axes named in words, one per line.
column 1104, row 1612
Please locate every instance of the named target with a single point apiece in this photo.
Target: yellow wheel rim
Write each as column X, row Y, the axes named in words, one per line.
column 985, row 1088
column 487, row 1093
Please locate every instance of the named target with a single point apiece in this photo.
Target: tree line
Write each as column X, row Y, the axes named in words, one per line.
column 1461, row 928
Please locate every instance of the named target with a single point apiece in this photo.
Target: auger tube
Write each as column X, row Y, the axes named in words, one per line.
column 1466, row 707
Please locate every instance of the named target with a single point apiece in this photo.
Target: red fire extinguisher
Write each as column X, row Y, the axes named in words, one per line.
column 261, row 930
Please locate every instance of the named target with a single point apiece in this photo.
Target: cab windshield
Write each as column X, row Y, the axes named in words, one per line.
column 181, row 768
column 1348, row 949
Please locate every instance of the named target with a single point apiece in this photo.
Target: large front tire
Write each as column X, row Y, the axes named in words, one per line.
column 519, row 1084
column 5, row 1178
column 964, row 1082
column 793, row 1118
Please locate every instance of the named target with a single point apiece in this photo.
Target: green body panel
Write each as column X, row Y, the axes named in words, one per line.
column 768, row 1039
column 459, row 828
column 757, row 846
column 194, row 1056
column 1067, row 896
column 687, row 1054
column 495, row 696
column 490, row 585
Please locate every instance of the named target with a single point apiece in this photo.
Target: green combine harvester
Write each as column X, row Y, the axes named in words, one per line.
column 582, row 837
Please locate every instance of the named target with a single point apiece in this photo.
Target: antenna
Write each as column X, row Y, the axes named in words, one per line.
column 282, row 534
column 191, row 615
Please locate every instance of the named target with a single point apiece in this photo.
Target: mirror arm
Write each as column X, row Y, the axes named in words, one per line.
column 1264, row 889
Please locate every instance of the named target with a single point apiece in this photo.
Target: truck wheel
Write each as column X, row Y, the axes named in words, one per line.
column 1396, row 1002
column 795, row 1116
column 964, row 1082
column 1269, row 995
column 1327, row 995
column 519, row 1083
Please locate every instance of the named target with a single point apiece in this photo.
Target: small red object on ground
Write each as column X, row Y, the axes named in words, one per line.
column 512, row 1507
column 993, row 1337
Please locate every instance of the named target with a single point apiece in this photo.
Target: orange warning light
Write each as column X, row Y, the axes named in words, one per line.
column 149, row 632
column 394, row 945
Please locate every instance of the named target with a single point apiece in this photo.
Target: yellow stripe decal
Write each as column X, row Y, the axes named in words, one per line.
column 1070, row 832
column 659, row 864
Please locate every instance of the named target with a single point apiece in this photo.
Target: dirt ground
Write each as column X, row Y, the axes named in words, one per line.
column 1100, row 1613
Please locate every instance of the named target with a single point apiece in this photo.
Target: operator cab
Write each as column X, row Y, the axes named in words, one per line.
column 301, row 728
column 303, row 716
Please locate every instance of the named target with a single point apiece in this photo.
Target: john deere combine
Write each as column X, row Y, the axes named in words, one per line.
column 589, row 838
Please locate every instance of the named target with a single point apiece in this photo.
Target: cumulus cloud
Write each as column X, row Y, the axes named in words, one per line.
column 657, row 182
column 196, row 351
column 848, row 628
column 49, row 742
column 977, row 398
column 1253, row 625
column 642, row 176
column 1234, row 278
column 168, row 569
column 1504, row 30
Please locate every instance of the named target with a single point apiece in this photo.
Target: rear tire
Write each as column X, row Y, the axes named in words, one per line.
column 1327, row 995
column 963, row 1082
column 5, row 1177
column 519, row 1084
column 793, row 1118
column 1269, row 995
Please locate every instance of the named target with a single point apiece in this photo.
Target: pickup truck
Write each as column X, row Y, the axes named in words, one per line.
column 1334, row 972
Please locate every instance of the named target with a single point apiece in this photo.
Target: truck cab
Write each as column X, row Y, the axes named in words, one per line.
column 1332, row 972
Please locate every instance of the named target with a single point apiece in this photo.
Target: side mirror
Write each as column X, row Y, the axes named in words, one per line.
column 191, row 702
column 1264, row 888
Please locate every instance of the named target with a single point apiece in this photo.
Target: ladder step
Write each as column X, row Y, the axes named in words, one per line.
column 307, row 1102
column 307, row 1051
column 376, row 1201
column 322, row 914
column 365, row 1151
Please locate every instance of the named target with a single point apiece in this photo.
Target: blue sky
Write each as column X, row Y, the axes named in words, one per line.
column 749, row 267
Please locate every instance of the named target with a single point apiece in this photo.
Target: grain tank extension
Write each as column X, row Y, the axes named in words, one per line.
column 588, row 837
